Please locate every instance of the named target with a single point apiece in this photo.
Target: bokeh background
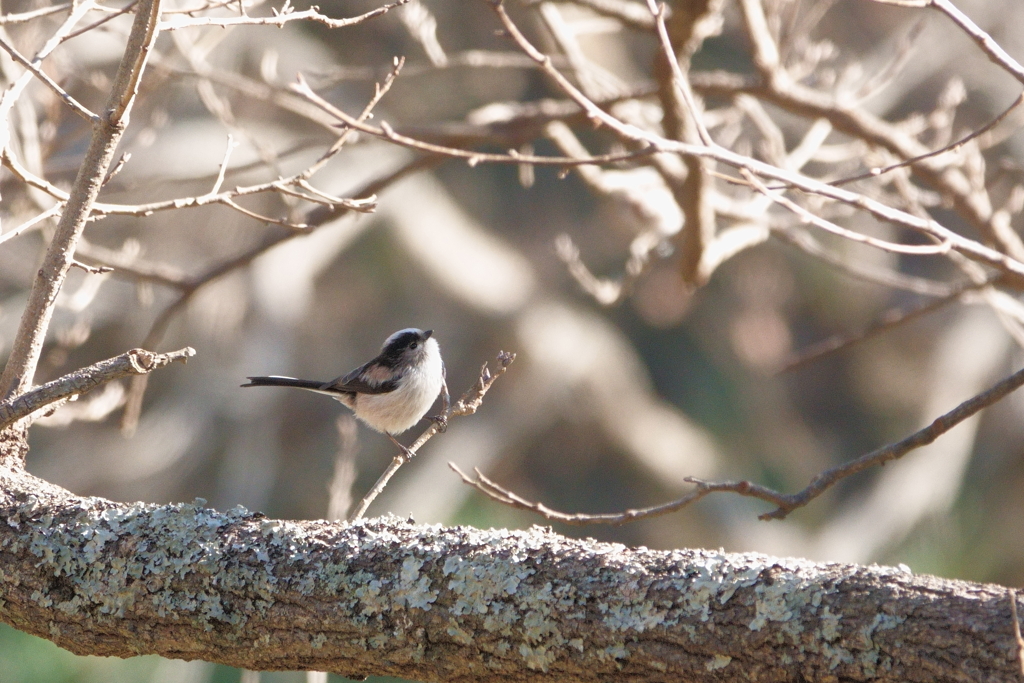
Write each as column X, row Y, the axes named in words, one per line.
column 606, row 407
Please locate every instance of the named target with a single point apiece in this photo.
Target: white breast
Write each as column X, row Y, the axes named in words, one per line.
column 400, row 409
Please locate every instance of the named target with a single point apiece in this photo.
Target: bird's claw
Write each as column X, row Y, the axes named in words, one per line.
column 441, row 421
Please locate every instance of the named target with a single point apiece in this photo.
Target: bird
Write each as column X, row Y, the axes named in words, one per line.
column 390, row 393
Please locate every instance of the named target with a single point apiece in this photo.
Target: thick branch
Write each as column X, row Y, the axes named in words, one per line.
column 134, row 362
column 455, row 604
column 682, row 121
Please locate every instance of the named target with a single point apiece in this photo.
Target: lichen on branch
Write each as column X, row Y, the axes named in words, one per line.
column 383, row 596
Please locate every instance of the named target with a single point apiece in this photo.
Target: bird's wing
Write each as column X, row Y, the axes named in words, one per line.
column 371, row 378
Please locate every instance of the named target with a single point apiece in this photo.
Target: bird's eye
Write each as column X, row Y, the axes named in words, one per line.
column 414, row 345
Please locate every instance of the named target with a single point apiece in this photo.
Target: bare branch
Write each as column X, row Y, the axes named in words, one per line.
column 802, row 240
column 630, row 13
column 92, row 270
column 923, row 437
column 75, row 105
column 386, row 132
column 887, row 321
column 502, row 495
column 968, row 247
column 989, row 46
column 279, row 19
column 785, row 503
column 952, row 147
column 807, row 216
column 22, row 17
column 28, row 342
column 111, row 15
column 678, row 78
column 134, row 362
column 38, row 219
column 779, row 87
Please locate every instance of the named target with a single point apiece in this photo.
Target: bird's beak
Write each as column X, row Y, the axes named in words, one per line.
column 426, row 334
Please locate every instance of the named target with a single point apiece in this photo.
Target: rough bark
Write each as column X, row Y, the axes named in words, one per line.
column 383, row 596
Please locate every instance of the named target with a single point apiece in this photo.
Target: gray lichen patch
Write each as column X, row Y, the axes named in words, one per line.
column 503, row 600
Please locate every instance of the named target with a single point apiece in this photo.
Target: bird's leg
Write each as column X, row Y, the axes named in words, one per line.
column 409, row 455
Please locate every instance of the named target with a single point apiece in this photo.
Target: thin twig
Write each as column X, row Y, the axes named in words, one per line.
column 279, row 19
column 682, row 84
column 75, row 105
column 467, row 405
column 807, row 216
column 922, row 437
column 784, row 503
column 92, row 270
column 989, row 46
column 887, row 321
column 118, row 167
column 386, row 132
column 298, row 227
column 36, row 220
column 85, row 29
column 128, row 265
column 503, row 495
column 21, row 17
column 952, row 147
column 222, row 169
column 801, row 239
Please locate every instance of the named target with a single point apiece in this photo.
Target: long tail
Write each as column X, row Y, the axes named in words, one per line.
column 275, row 381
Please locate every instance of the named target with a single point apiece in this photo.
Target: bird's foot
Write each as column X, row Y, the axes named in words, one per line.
column 441, row 421
column 409, row 455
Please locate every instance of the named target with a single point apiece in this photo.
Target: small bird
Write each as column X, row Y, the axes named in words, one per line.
column 390, row 393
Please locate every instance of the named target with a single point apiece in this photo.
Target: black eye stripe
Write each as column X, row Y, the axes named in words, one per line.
column 392, row 353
